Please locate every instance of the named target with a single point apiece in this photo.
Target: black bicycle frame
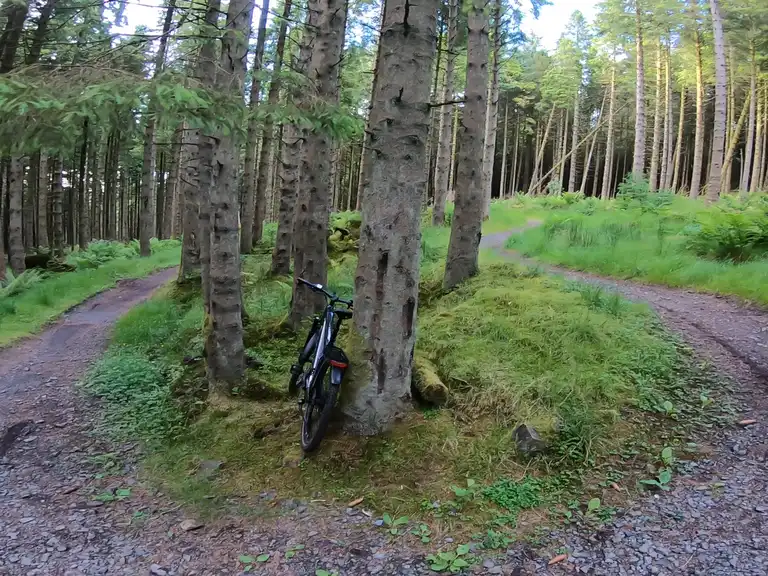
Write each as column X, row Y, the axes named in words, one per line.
column 321, row 340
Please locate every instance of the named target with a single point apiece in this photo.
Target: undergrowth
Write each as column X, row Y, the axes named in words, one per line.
column 38, row 296
column 660, row 238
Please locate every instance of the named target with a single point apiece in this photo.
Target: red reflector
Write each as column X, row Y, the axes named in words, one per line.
column 337, row 364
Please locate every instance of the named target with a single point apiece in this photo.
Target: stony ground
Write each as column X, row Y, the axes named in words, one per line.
column 72, row 505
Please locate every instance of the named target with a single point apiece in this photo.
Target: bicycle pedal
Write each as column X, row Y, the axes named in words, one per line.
column 295, row 369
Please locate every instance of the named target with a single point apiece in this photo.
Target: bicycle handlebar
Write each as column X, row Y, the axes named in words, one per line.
column 319, row 288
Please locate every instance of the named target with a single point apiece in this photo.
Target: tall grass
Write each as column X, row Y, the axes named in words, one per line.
column 651, row 244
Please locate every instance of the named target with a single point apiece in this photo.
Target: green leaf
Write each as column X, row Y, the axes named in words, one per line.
column 462, row 549
column 400, row 521
column 666, row 455
column 668, row 406
column 460, row 563
column 289, row 554
column 593, row 504
column 245, row 559
column 321, row 572
column 262, row 557
column 387, row 519
column 123, row 493
column 665, row 476
column 446, row 556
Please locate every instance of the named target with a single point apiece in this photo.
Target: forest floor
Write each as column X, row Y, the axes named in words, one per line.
column 75, row 504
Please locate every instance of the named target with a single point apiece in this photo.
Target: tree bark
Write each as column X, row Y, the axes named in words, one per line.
column 16, row 14
column 733, row 140
column 147, row 212
column 666, row 148
column 572, row 173
column 750, row 145
column 698, row 146
column 492, row 112
column 56, row 198
column 289, row 172
column 171, row 197
column 638, row 159
column 310, row 250
column 15, row 193
column 588, row 161
column 654, row 171
column 504, row 146
column 249, row 226
column 387, row 276
column 83, row 231
column 267, row 139
column 719, row 128
column 42, row 202
column 676, row 177
column 443, row 165
column 606, row 189
column 533, row 188
column 225, row 352
column 464, row 244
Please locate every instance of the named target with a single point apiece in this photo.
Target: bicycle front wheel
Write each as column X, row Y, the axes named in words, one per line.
column 318, row 407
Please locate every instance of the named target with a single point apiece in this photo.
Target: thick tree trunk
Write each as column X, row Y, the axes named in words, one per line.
column 267, row 139
column 289, row 172
column 56, row 199
column 654, row 171
column 464, row 244
column 225, row 352
column 310, row 251
column 754, row 185
column 83, row 233
column 42, row 202
column 492, row 111
column 16, row 13
column 750, row 146
column 638, row 159
column 15, row 193
column 443, row 165
column 387, row 277
column 606, row 189
column 676, row 177
column 719, row 128
column 30, row 196
column 147, row 212
column 249, row 212
column 733, row 140
column 698, row 146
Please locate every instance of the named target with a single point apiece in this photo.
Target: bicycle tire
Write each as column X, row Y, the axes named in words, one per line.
column 310, row 439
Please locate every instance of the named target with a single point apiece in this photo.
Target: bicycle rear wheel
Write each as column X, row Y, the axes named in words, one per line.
column 317, row 409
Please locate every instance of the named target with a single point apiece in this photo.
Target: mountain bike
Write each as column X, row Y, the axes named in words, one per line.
column 319, row 371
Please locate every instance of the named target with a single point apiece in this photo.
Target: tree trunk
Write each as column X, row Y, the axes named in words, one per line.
column 225, row 352
column 638, row 159
column 606, row 190
column 492, row 112
column 249, row 215
column 16, row 13
column 698, row 147
column 572, row 173
column 719, row 128
column 265, row 155
column 464, row 244
column 504, row 146
column 147, row 212
column 29, row 201
column 533, row 188
column 171, row 198
column 666, row 148
column 42, row 202
column 310, row 251
column 588, row 161
column 733, row 143
column 56, row 199
column 512, row 186
column 754, row 185
column 387, row 277
column 676, row 177
column 443, row 165
column 654, row 171
column 15, row 193
column 82, row 205
column 750, row 146
column 289, row 173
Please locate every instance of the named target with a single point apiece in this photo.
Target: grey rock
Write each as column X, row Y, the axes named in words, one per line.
column 528, row 440
column 157, row 570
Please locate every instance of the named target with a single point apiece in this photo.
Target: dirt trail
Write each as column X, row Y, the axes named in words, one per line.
column 53, row 469
column 715, row 521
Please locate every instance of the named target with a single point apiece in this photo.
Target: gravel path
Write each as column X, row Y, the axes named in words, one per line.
column 72, row 504
column 715, row 520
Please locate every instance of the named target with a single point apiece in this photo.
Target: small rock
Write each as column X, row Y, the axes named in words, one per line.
column 488, row 563
column 207, row 469
column 378, row 522
column 26, row 520
column 496, row 570
column 189, row 524
column 528, row 440
column 157, row 570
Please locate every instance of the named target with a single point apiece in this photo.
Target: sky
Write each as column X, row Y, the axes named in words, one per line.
column 548, row 27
